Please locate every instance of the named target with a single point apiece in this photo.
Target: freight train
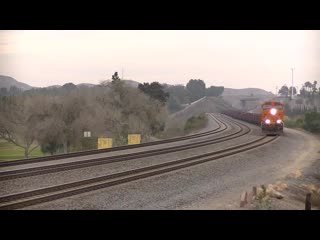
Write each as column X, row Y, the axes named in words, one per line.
column 272, row 117
column 270, row 120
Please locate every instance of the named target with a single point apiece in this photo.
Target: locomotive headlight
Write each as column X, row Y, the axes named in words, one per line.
column 273, row 111
column 279, row 121
column 267, row 121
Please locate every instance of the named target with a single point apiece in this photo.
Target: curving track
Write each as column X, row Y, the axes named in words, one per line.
column 37, row 170
column 32, row 197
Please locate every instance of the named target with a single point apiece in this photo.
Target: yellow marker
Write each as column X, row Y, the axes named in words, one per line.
column 134, row 139
column 104, row 143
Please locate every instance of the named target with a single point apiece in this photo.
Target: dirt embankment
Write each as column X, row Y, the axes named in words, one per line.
column 290, row 192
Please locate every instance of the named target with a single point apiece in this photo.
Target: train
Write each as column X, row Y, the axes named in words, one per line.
column 272, row 117
column 270, row 120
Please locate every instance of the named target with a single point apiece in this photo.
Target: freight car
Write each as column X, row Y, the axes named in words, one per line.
column 253, row 118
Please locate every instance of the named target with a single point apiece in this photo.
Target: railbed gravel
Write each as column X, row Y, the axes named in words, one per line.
column 212, row 185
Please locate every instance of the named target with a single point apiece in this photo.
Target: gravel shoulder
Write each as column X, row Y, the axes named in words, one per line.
column 213, row 185
column 304, row 178
column 300, row 172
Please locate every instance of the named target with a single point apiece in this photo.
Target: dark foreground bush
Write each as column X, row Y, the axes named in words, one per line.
column 312, row 122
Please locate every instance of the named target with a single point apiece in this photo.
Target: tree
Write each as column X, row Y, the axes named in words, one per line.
column 303, row 92
column 178, row 95
column 314, row 87
column 155, row 90
column 214, row 91
column 14, row 90
column 174, row 104
column 196, row 89
column 294, row 91
column 51, row 135
column 179, row 92
column 124, row 110
column 3, row 92
column 115, row 77
column 68, row 87
column 284, row 90
column 68, row 110
column 308, row 85
column 18, row 121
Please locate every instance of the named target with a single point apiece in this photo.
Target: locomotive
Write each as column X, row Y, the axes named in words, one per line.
column 270, row 120
column 272, row 117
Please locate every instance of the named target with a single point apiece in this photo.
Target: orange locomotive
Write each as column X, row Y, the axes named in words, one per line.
column 272, row 117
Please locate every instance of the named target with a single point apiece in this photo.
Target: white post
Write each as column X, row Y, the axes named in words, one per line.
column 292, row 84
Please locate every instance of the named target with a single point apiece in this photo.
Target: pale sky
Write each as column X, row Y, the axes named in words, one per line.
column 235, row 59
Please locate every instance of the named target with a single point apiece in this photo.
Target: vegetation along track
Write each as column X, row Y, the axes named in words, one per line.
column 114, row 149
column 33, row 171
column 24, row 199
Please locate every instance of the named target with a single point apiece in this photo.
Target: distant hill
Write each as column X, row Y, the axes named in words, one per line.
column 86, row 85
column 54, row 86
column 245, row 92
column 235, row 97
column 131, row 83
column 7, row 82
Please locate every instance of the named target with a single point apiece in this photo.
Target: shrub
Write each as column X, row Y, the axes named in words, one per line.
column 195, row 123
column 312, row 122
column 294, row 123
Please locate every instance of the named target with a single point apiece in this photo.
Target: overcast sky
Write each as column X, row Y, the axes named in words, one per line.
column 235, row 59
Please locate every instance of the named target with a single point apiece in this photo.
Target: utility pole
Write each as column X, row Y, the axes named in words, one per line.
column 292, row 83
column 276, row 90
column 122, row 74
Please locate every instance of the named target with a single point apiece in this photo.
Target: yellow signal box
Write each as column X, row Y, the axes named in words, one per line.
column 104, row 143
column 134, row 139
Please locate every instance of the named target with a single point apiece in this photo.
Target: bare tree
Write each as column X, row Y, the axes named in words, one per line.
column 18, row 121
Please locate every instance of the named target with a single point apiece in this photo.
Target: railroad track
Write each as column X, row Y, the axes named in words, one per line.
column 27, row 172
column 114, row 149
column 29, row 198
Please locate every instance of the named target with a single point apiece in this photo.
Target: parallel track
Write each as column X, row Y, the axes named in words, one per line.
column 24, row 199
column 13, row 174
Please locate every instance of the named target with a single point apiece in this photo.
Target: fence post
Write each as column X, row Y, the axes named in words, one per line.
column 254, row 191
column 308, row 201
column 243, row 199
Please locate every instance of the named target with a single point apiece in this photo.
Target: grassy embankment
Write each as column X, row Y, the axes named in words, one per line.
column 9, row 151
column 192, row 124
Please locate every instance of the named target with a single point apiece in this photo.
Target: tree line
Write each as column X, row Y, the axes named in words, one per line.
column 308, row 90
column 13, row 90
column 56, row 118
column 56, row 122
column 194, row 90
